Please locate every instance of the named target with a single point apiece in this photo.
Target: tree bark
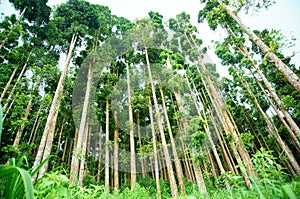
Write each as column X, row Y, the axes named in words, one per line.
column 52, row 113
column 292, row 78
column 173, row 145
column 173, row 184
column 8, row 83
column 24, row 119
column 106, row 180
column 156, row 171
column 100, row 155
column 15, row 85
column 78, row 150
column 58, row 143
column 131, row 133
column 83, row 154
column 272, row 91
column 116, row 148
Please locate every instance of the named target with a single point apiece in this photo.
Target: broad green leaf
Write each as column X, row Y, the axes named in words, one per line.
column 17, row 182
column 288, row 191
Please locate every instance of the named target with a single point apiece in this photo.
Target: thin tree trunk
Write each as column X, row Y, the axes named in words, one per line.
column 24, row 119
column 72, row 143
column 199, row 177
column 155, row 153
column 140, row 145
column 16, row 83
column 296, row 141
column 208, row 132
column 48, row 147
column 273, row 130
column 8, row 84
column 277, row 100
column 44, row 151
column 83, row 155
column 64, row 152
column 36, row 130
column 197, row 169
column 292, row 78
column 106, row 182
column 226, row 122
column 177, row 161
column 34, row 125
column 14, row 25
column 100, row 155
column 173, row 184
column 82, row 128
column 58, row 143
column 116, row 148
column 131, row 133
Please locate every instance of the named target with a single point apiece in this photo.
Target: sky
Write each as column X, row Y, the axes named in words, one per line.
column 284, row 16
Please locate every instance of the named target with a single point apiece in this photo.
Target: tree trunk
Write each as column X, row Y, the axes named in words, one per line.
column 15, row 85
column 48, row 146
column 64, row 152
column 81, row 140
column 8, row 84
column 156, row 171
column 199, row 177
column 173, row 184
column 36, row 130
column 226, row 121
column 296, row 141
column 83, row 154
column 177, row 161
column 277, row 100
column 273, row 130
column 53, row 110
column 116, row 148
column 131, row 133
column 292, row 78
column 58, row 143
column 197, row 169
column 106, row 180
column 100, row 155
column 140, row 144
column 24, row 119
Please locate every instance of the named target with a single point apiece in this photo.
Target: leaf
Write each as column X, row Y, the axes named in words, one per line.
column 19, row 180
column 20, row 162
column 288, row 191
column 42, row 163
column 1, row 118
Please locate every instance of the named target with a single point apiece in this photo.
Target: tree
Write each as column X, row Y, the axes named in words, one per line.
column 212, row 6
column 47, row 138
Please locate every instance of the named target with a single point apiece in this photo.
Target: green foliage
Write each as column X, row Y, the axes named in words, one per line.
column 9, row 151
column 268, row 170
column 36, row 11
column 288, row 192
column 15, row 182
column 1, row 122
column 247, row 139
column 89, row 180
column 56, row 185
column 137, row 192
column 53, row 185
